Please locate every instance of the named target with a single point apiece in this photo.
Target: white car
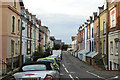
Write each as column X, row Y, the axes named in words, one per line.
column 36, row 71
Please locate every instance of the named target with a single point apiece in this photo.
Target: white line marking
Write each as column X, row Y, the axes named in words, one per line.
column 72, row 72
column 63, row 65
column 77, row 78
column 61, row 74
column 95, row 75
column 116, row 77
column 71, row 77
column 66, row 70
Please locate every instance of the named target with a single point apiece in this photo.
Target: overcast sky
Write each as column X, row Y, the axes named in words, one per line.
column 63, row 17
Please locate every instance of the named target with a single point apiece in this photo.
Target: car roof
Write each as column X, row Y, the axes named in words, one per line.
column 54, row 55
column 46, row 58
column 33, row 62
column 47, row 63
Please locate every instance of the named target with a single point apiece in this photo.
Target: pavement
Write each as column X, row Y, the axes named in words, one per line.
column 74, row 69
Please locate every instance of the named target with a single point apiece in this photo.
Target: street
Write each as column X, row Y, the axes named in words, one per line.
column 73, row 69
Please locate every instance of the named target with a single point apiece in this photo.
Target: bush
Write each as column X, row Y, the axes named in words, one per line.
column 38, row 54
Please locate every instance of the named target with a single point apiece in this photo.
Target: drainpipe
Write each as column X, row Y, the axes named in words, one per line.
column 119, row 57
column 107, row 32
column 20, row 62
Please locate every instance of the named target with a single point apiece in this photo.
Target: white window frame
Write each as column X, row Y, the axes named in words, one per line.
column 113, row 18
column 104, row 47
column 104, row 27
column 111, row 47
column 116, row 47
column 15, row 3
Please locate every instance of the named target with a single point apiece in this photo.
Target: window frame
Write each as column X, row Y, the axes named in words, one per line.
column 18, row 27
column 104, row 27
column 104, row 47
column 116, row 47
column 111, row 48
column 13, row 53
column 97, row 30
column 13, row 24
column 15, row 3
column 113, row 18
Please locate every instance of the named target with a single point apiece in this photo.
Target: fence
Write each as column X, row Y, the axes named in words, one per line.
column 7, row 66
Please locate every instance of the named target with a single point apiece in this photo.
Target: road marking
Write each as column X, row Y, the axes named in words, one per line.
column 61, row 74
column 71, row 77
column 95, row 75
column 63, row 65
column 77, row 78
column 115, row 77
column 66, row 70
column 72, row 72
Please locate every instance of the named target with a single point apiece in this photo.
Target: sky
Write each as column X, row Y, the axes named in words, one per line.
column 63, row 17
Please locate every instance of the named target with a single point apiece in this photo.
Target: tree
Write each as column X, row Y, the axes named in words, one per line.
column 37, row 54
column 56, row 46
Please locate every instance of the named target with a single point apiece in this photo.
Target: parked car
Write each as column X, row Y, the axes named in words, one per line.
column 58, row 52
column 56, row 57
column 36, row 71
column 53, row 60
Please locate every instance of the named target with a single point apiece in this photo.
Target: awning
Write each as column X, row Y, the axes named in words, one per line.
column 75, row 50
column 83, row 52
column 80, row 51
column 92, row 54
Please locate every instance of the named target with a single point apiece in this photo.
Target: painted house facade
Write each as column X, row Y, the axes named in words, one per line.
column 10, row 33
column 103, row 37
column 114, row 34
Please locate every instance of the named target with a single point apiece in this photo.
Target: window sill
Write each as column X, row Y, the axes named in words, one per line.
column 13, row 33
column 112, row 27
column 18, row 34
column 104, row 33
column 116, row 54
column 111, row 54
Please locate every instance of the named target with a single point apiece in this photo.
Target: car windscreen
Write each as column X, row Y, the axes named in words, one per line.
column 51, row 60
column 35, row 67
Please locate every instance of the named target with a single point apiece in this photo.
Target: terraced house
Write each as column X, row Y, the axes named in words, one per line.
column 10, row 34
column 100, row 37
column 103, row 36
column 114, row 34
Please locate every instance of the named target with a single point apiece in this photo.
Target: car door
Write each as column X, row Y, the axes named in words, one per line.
column 56, row 72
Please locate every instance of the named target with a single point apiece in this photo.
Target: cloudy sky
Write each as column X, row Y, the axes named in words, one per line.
column 63, row 17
